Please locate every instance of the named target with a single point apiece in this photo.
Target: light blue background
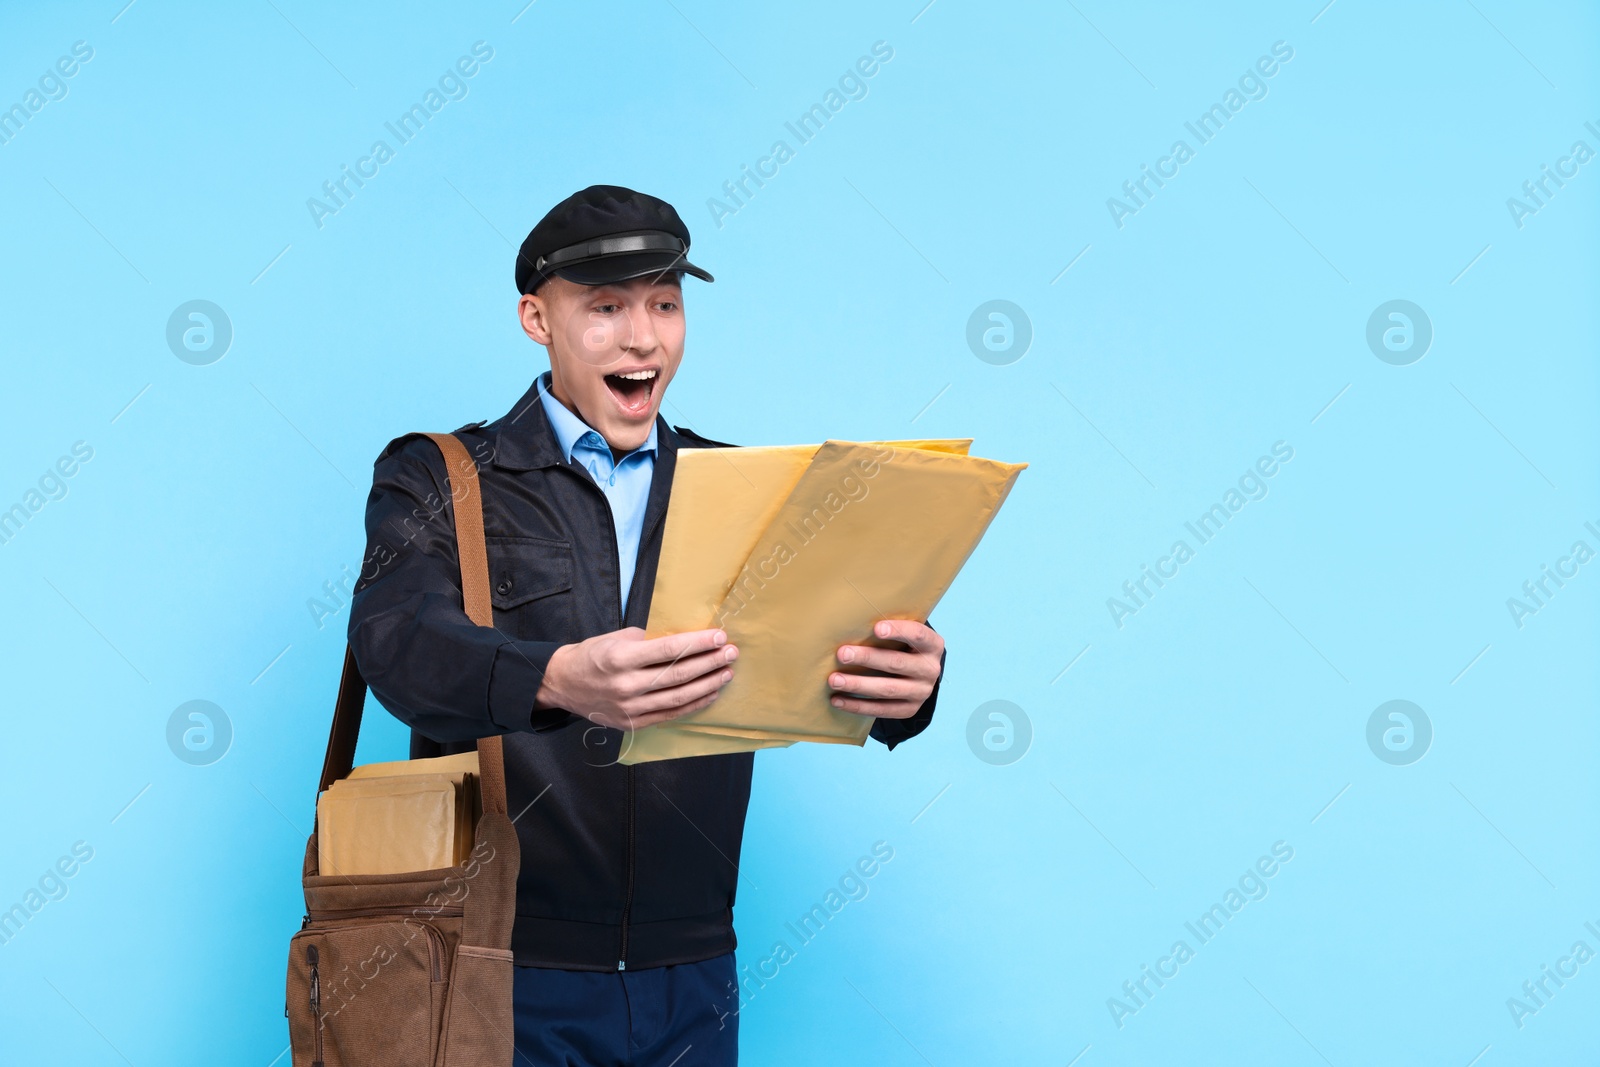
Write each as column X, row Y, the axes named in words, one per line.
column 1223, row 317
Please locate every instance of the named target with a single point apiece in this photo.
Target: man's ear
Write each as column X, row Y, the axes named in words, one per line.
column 535, row 319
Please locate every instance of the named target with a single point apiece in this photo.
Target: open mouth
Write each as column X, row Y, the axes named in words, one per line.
column 632, row 390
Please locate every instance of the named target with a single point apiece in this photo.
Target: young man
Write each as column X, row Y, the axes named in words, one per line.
column 624, row 929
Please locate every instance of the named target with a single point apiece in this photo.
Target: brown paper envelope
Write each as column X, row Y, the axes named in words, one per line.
column 722, row 501
column 868, row 532
column 461, row 768
column 662, row 741
column 457, row 765
column 466, row 817
column 388, row 825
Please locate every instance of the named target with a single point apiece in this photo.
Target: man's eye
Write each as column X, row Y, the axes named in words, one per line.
column 667, row 305
column 606, row 309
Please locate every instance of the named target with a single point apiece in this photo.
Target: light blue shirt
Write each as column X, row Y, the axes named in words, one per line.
column 625, row 484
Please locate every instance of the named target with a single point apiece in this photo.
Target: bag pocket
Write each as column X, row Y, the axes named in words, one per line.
column 479, row 1025
column 366, row 991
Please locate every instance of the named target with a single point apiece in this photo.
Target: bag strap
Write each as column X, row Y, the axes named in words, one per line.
column 473, row 553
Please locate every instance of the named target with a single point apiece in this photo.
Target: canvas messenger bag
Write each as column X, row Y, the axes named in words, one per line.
column 412, row 969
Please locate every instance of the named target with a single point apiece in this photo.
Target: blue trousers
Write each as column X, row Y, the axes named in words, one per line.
column 685, row 1015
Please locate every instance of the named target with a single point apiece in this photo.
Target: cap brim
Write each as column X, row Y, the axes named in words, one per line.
column 628, row 266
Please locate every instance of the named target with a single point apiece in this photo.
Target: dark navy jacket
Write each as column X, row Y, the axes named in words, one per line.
column 622, row 866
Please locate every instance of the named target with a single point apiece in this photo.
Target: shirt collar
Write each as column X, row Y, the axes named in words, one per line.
column 570, row 430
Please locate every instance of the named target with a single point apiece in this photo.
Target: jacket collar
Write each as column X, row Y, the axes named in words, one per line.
column 525, row 440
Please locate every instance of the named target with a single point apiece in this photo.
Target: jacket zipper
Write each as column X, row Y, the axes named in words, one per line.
column 611, row 524
column 627, row 902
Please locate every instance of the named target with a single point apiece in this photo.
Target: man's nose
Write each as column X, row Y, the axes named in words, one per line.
column 641, row 331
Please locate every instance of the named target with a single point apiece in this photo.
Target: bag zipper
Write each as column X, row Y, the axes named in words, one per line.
column 436, row 945
column 316, row 1002
column 454, row 911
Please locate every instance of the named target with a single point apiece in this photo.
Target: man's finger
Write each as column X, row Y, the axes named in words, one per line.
column 672, row 647
column 913, row 633
column 890, row 661
column 871, row 685
column 685, row 709
column 651, row 718
column 665, row 676
column 661, row 699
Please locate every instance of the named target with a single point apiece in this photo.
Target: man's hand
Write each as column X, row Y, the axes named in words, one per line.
column 623, row 680
column 906, row 679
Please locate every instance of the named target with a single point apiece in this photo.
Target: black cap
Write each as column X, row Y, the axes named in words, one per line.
column 602, row 234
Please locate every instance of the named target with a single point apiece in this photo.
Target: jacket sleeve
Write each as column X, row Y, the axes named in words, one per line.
column 425, row 661
column 893, row 731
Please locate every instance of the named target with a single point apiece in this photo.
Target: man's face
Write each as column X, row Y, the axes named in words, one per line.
column 613, row 349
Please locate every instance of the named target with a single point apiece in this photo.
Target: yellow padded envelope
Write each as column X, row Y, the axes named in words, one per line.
column 796, row 550
column 410, row 815
column 455, row 766
column 722, row 501
column 390, row 825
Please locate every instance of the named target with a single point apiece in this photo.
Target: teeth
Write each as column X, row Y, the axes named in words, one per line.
column 637, row 375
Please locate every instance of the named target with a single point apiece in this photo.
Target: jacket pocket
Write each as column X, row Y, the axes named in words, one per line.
column 367, row 991
column 530, row 586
